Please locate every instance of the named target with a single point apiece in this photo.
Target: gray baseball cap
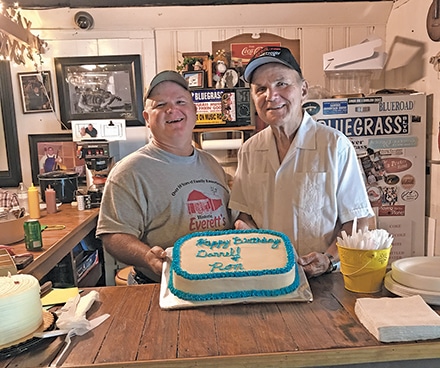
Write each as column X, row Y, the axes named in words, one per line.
column 271, row 54
column 167, row 76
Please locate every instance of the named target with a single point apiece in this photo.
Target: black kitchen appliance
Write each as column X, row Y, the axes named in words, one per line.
column 65, row 184
column 99, row 161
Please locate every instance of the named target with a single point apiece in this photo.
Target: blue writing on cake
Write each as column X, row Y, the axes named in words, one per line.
column 211, row 244
column 233, row 253
column 230, row 248
column 256, row 240
column 218, row 266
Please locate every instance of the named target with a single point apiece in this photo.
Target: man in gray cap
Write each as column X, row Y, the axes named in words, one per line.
column 164, row 190
column 296, row 176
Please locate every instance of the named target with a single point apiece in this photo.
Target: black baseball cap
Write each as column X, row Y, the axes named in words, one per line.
column 271, row 54
column 167, row 76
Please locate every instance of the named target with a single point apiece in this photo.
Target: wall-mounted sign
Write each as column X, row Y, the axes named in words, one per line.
column 239, row 49
column 222, row 107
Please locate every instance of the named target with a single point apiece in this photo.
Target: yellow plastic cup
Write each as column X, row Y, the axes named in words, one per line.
column 363, row 270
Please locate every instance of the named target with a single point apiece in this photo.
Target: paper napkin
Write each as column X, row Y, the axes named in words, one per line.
column 398, row 319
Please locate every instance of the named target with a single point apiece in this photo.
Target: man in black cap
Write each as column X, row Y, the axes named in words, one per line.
column 296, row 176
column 164, row 190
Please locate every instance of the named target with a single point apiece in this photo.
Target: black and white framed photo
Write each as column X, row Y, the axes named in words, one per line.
column 100, row 87
column 36, row 92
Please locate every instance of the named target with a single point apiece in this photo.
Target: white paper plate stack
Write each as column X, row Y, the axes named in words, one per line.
column 415, row 276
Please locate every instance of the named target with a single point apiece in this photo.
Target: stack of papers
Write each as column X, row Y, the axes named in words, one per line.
column 398, row 319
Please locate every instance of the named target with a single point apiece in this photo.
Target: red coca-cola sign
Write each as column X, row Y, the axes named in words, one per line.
column 245, row 51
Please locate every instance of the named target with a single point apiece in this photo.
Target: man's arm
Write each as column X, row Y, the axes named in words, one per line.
column 130, row 250
column 245, row 221
column 315, row 264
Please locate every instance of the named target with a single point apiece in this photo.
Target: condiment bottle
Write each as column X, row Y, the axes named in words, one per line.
column 34, row 202
column 50, row 199
column 22, row 194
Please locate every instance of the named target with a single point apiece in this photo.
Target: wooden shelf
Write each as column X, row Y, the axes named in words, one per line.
column 58, row 244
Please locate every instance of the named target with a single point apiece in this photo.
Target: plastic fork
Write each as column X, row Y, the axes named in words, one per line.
column 67, row 342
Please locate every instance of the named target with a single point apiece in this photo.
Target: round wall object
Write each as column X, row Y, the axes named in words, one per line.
column 84, row 20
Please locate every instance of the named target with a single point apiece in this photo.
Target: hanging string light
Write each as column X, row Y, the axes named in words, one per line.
column 17, row 43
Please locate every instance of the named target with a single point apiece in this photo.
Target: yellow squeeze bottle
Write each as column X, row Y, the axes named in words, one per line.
column 34, row 202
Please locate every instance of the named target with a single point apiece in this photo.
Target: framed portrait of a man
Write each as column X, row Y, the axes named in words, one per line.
column 36, row 92
column 55, row 152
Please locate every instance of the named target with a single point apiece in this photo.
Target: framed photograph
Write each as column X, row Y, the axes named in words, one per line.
column 230, row 78
column 36, row 92
column 10, row 164
column 98, row 130
column 51, row 152
column 195, row 79
column 100, row 87
column 197, row 61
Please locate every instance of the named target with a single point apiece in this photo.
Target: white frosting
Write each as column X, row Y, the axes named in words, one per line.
column 234, row 283
column 234, row 261
column 21, row 312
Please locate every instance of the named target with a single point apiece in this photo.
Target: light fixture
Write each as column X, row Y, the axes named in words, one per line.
column 17, row 43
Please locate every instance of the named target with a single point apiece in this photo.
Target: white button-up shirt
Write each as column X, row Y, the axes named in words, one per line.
column 316, row 188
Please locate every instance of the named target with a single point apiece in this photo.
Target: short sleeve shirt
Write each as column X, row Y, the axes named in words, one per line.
column 318, row 185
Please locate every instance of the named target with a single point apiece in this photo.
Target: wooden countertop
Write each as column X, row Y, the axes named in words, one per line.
column 138, row 333
column 58, row 243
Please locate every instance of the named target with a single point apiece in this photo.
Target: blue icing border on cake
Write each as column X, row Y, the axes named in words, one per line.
column 235, row 294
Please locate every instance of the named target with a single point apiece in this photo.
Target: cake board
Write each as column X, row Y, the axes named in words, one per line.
column 167, row 300
column 29, row 342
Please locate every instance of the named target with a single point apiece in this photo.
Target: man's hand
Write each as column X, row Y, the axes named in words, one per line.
column 155, row 257
column 314, row 264
column 245, row 222
column 131, row 251
column 241, row 225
